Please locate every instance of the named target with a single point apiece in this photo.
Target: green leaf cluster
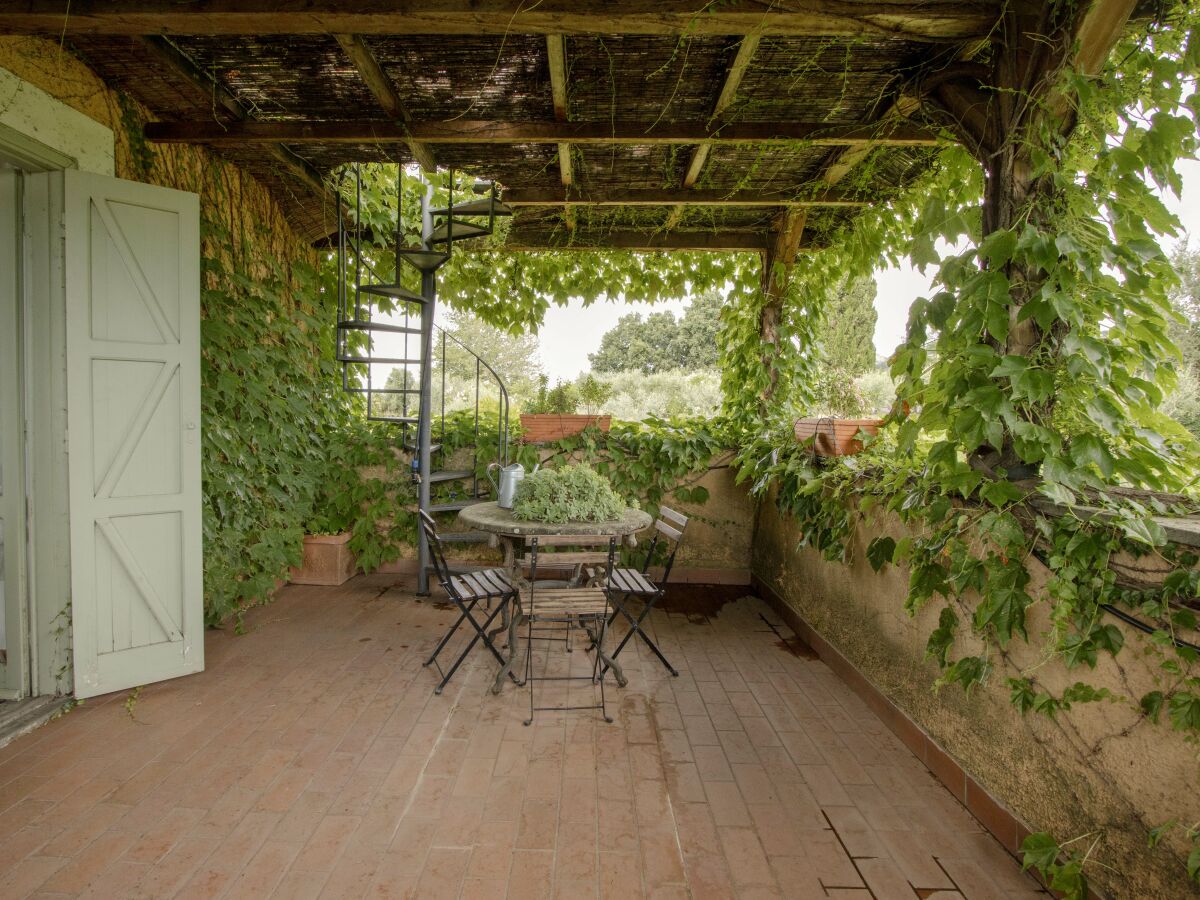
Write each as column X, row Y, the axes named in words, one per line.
column 567, row 494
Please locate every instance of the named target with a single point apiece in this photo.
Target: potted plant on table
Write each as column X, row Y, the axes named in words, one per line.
column 838, row 430
column 567, row 494
column 555, row 414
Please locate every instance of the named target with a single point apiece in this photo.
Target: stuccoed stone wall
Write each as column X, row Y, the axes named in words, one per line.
column 1098, row 768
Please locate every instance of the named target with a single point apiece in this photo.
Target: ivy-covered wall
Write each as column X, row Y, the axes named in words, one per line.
column 1101, row 771
column 281, row 450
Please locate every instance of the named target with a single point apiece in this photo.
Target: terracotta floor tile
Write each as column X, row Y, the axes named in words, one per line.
column 620, row 876
column 726, row 804
column 532, row 874
column 443, row 873
column 744, row 856
column 538, row 824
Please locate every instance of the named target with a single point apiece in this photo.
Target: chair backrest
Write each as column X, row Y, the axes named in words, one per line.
column 537, row 556
column 429, row 526
column 562, row 551
column 668, row 528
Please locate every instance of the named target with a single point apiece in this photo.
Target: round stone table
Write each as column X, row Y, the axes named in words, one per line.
column 507, row 532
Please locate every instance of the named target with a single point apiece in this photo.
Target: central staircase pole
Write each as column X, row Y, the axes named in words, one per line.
column 425, row 415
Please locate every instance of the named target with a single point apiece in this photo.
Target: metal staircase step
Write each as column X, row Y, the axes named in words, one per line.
column 454, row 505
column 400, row 420
column 482, row 207
column 362, row 325
column 395, row 291
column 412, row 447
column 387, row 360
column 449, row 475
column 462, row 231
column 425, row 260
column 381, row 390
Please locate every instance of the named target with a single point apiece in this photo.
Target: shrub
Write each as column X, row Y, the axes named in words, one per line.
column 569, row 494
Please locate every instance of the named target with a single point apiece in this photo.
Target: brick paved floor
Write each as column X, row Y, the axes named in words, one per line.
column 312, row 759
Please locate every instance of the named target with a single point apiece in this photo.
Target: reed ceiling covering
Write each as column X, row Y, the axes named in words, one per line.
column 750, row 106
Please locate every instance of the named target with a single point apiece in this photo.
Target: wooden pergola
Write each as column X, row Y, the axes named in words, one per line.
column 641, row 124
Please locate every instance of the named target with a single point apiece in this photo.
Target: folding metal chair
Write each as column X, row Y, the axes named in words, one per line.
column 467, row 591
column 585, row 607
column 627, row 583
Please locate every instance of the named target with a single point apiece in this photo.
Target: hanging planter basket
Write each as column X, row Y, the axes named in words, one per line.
column 835, row 437
column 537, row 428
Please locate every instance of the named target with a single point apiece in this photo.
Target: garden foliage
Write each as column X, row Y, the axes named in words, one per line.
column 567, row 494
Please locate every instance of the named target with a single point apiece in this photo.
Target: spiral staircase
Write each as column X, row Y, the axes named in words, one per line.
column 388, row 326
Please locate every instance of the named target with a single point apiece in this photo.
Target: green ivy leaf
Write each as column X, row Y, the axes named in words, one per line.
column 880, row 552
column 1039, row 851
column 1158, row 832
column 1184, row 708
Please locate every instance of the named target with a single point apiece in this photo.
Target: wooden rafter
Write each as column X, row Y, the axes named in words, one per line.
column 532, row 197
column 733, row 78
column 462, row 131
column 525, row 238
column 933, row 20
column 842, row 163
column 380, row 85
column 224, row 102
column 556, row 54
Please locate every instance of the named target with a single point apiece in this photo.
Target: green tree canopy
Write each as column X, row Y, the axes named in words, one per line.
column 660, row 342
column 513, row 357
column 848, row 333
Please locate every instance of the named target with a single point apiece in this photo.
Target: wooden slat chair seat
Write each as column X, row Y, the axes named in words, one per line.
column 487, row 584
column 625, row 583
column 565, row 601
column 467, row 591
column 586, row 607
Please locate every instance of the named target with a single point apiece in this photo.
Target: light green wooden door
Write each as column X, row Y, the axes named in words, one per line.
column 14, row 639
column 133, row 419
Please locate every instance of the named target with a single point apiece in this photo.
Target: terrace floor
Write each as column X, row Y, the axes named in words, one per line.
column 312, row 759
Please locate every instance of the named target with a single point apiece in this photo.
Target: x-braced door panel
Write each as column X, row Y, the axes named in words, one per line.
column 133, row 386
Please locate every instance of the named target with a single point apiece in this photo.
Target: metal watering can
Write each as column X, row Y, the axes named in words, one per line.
column 510, row 477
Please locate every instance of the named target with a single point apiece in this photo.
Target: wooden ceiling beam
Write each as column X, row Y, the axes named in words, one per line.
column 462, row 131
column 932, row 20
column 532, row 197
column 380, row 85
column 203, row 85
column 520, row 238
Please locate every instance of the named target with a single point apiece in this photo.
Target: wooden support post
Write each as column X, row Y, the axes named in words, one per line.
column 777, row 267
column 1002, row 116
column 384, row 91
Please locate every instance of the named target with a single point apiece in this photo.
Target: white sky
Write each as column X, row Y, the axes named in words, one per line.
column 570, row 333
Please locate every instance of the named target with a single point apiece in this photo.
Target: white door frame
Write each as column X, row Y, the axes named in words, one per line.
column 15, row 677
column 41, row 136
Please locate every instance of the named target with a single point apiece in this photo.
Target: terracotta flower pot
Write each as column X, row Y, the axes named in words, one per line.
column 541, row 427
column 835, row 437
column 327, row 560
